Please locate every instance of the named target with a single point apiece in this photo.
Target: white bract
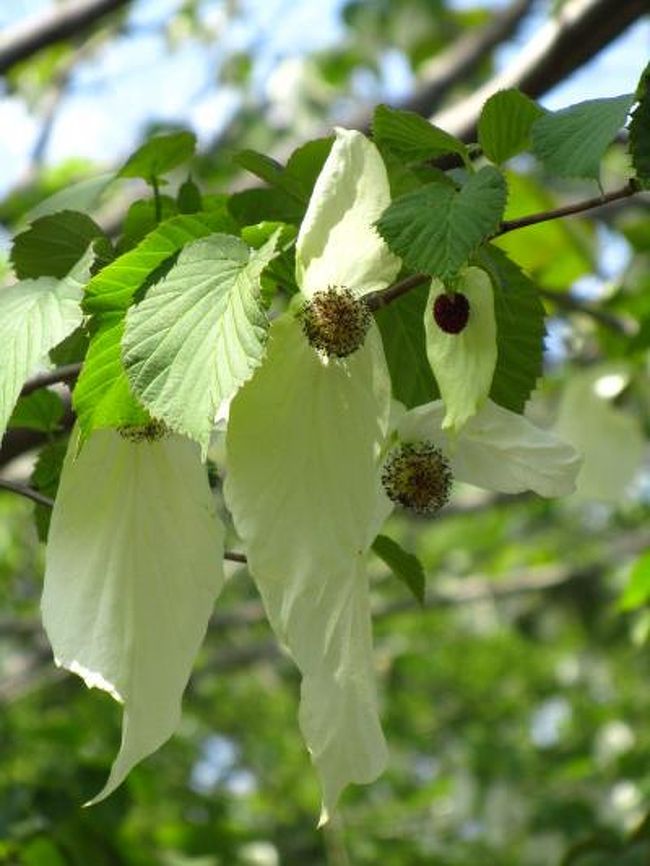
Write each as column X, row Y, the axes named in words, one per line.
column 134, row 563
column 304, row 441
column 463, row 363
column 497, row 450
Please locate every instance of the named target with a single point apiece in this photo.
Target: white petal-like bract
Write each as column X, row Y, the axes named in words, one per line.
column 498, row 450
column 464, row 363
column 303, row 446
column 134, row 563
column 337, row 243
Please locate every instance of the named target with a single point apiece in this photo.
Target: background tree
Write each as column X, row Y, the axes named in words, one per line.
column 514, row 699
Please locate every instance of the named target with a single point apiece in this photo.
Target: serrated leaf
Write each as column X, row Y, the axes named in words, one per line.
column 519, row 315
column 102, row 396
column 53, row 244
column 571, row 142
column 41, row 410
column 159, row 155
column 142, row 217
column 114, row 287
column 404, row 565
column 199, row 333
column 435, row 229
column 45, row 478
column 505, row 123
column 640, row 131
column 402, row 331
column 411, row 137
column 35, row 315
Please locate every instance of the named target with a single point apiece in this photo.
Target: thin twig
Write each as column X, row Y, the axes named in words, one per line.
column 68, row 373
column 27, row 492
column 506, row 226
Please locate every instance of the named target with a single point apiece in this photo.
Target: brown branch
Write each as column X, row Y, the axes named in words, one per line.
column 575, row 34
column 506, row 226
column 68, row 373
column 27, row 492
column 24, row 39
column 456, row 63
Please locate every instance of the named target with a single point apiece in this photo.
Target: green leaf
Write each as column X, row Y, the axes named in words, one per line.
column 519, row 315
column 637, row 591
column 53, row 244
column 114, row 287
column 189, row 198
column 572, row 142
column 291, row 186
column 411, row 137
column 102, row 396
column 402, row 330
column 159, row 155
column 35, row 315
column 435, row 229
column 41, row 410
column 45, row 478
column 142, row 218
column 199, row 333
column 404, row 565
column 267, row 169
column 505, row 122
column 640, row 131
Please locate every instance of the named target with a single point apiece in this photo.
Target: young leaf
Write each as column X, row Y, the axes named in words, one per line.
column 198, row 334
column 114, row 287
column 402, row 331
column 291, row 186
column 435, row 229
column 102, row 396
column 53, row 244
column 42, row 410
column 411, row 137
column 572, row 142
column 189, row 198
column 404, row 565
column 159, row 155
column 35, row 315
column 505, row 122
column 640, row 131
column 519, row 316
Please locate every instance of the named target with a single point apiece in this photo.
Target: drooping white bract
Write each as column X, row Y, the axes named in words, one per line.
column 134, row 563
column 498, row 450
column 303, row 444
column 463, row 363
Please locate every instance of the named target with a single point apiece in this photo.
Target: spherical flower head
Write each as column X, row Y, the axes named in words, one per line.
column 150, row 432
column 417, row 475
column 335, row 322
column 451, row 312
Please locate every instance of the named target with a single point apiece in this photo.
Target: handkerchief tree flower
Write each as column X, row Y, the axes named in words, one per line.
column 319, row 447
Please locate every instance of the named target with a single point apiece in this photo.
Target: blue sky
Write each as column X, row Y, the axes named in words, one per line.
column 135, row 79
